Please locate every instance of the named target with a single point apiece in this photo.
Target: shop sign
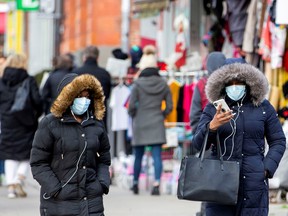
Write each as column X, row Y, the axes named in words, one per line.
column 146, row 8
column 27, row 5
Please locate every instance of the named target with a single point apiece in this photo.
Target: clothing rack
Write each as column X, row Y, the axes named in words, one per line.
column 174, row 124
column 183, row 73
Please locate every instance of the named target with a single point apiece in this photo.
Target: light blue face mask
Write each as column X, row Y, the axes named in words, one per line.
column 235, row 92
column 80, row 105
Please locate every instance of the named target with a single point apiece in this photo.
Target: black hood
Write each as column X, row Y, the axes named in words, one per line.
column 14, row 76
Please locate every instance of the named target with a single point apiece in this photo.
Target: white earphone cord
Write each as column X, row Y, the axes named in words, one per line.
column 233, row 127
column 77, row 167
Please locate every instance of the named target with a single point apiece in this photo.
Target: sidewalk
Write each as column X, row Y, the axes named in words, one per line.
column 119, row 202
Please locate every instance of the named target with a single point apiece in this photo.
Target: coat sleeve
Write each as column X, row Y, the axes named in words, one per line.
column 104, row 161
column 133, row 103
column 169, row 102
column 276, row 140
column 40, row 159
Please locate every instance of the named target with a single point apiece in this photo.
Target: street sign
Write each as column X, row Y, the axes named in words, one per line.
column 27, row 5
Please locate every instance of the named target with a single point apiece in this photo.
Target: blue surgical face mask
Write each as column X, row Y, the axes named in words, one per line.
column 235, row 92
column 80, row 105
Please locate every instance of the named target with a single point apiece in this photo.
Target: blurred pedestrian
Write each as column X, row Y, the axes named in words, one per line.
column 243, row 132
column 199, row 100
column 72, row 59
column 70, row 156
column 17, row 128
column 49, row 92
column 2, row 170
column 90, row 66
column 148, row 92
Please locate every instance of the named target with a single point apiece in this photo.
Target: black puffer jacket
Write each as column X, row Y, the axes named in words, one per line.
column 71, row 160
column 17, row 129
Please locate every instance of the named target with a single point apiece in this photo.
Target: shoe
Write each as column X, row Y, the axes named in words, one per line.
column 135, row 189
column 11, row 192
column 11, row 195
column 19, row 191
column 155, row 191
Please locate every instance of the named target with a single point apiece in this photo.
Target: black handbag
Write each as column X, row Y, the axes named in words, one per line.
column 21, row 97
column 210, row 180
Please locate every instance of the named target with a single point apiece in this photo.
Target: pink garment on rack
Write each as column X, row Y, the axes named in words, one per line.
column 187, row 99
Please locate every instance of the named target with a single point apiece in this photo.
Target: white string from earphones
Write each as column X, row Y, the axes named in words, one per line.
column 233, row 130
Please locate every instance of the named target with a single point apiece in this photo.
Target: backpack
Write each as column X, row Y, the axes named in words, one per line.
column 22, row 97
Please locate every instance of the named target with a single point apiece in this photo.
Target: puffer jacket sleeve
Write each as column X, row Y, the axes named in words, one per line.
column 40, row 159
column 203, row 126
column 275, row 138
column 104, row 161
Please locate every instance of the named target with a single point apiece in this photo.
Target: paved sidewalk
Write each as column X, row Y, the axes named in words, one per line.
column 119, row 202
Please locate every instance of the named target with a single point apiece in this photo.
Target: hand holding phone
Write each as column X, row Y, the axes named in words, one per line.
column 224, row 106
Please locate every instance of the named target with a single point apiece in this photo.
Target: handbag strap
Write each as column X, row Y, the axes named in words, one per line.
column 219, row 150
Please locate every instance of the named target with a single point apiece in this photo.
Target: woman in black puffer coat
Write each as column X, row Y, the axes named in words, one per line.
column 243, row 135
column 17, row 127
column 70, row 155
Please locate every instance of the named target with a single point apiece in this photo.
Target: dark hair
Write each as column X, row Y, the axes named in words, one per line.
column 91, row 52
column 63, row 62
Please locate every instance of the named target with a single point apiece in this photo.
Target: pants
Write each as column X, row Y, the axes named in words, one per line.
column 157, row 161
column 14, row 169
column 2, row 171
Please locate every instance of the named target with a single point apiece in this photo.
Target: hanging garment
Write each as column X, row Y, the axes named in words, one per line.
column 120, row 118
column 174, row 86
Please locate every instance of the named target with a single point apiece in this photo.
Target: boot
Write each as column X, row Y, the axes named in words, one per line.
column 19, row 191
column 155, row 191
column 135, row 189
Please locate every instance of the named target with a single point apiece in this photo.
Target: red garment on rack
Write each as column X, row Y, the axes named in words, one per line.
column 188, row 93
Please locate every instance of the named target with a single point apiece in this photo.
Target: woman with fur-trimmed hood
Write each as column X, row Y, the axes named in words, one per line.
column 243, row 132
column 70, row 155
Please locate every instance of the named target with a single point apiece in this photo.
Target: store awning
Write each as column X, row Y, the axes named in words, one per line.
column 146, row 8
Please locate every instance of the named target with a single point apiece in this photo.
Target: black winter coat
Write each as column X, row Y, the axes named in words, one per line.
column 17, row 129
column 72, row 160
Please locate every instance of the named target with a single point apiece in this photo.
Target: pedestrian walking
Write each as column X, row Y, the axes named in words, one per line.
column 215, row 60
column 243, row 131
column 70, row 155
column 90, row 66
column 49, row 91
column 148, row 129
column 17, row 127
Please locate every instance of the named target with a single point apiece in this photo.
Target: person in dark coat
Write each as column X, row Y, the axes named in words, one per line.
column 70, row 155
column 243, row 132
column 148, row 92
column 90, row 66
column 215, row 60
column 49, row 91
column 17, row 128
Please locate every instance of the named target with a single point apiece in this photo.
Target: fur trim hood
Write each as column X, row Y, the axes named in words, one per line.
column 254, row 79
column 73, row 89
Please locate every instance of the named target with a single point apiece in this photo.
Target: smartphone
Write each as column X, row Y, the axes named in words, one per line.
column 224, row 107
